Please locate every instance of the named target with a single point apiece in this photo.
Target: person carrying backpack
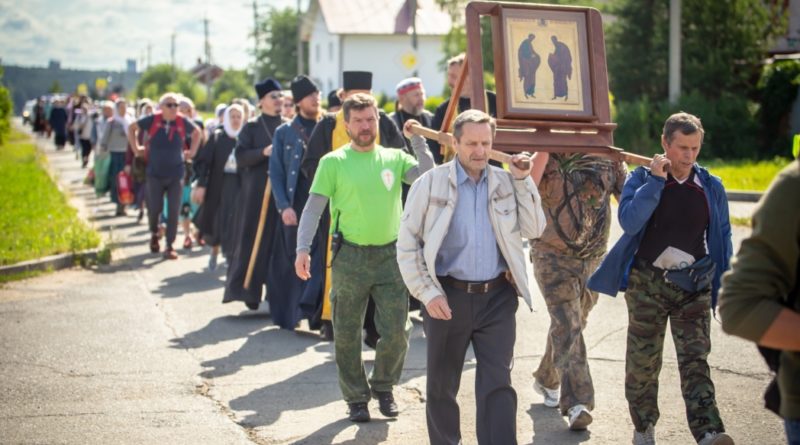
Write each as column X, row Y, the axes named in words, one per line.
column 165, row 156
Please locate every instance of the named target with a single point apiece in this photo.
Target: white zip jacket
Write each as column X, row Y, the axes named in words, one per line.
column 515, row 213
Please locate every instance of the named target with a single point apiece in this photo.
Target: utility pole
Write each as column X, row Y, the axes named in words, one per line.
column 674, row 50
column 256, row 76
column 413, row 13
column 208, row 64
column 149, row 53
column 172, row 50
column 300, row 68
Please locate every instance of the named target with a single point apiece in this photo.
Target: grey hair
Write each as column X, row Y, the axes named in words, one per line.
column 685, row 123
column 166, row 96
column 472, row 117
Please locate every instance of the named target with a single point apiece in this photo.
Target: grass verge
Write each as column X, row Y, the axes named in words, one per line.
column 746, row 175
column 35, row 218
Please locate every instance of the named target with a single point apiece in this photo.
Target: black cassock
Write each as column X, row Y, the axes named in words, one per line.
column 253, row 169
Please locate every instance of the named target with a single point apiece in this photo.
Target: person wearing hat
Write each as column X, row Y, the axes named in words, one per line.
column 331, row 134
column 334, row 103
column 288, row 293
column 288, row 109
column 253, row 150
column 411, row 104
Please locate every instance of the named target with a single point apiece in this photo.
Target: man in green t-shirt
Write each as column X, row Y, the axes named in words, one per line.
column 362, row 183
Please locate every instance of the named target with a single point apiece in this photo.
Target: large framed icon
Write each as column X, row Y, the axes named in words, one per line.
column 544, row 62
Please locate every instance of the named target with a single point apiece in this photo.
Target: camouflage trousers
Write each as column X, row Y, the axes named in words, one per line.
column 651, row 302
column 357, row 274
column 562, row 280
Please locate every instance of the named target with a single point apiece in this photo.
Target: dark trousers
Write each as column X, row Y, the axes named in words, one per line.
column 156, row 188
column 488, row 322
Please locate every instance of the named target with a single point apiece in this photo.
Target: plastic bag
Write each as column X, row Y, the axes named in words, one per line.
column 102, row 165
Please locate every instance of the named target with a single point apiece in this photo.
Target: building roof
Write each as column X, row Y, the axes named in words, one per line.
column 376, row 17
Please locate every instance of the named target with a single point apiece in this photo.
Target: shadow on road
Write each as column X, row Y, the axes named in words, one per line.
column 376, row 431
column 221, row 329
column 550, row 427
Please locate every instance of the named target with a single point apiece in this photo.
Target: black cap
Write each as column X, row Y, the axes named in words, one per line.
column 267, row 86
column 302, row 86
column 357, row 80
column 333, row 99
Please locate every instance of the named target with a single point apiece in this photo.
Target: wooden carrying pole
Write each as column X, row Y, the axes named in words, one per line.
column 499, row 156
column 262, row 221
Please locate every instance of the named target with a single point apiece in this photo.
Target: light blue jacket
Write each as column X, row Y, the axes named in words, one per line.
column 640, row 197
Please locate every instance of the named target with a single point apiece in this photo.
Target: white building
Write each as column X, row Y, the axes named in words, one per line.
column 375, row 35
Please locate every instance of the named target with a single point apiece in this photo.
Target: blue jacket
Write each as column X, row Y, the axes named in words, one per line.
column 640, row 197
column 288, row 149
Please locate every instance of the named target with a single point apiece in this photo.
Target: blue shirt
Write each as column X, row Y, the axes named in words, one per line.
column 469, row 251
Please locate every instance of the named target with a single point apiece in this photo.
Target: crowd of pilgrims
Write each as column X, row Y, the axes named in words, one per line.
column 222, row 178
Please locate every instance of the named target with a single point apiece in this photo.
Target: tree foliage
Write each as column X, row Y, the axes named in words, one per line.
column 277, row 52
column 232, row 84
column 6, row 109
column 162, row 78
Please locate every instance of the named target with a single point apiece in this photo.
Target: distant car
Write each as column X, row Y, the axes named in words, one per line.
column 27, row 112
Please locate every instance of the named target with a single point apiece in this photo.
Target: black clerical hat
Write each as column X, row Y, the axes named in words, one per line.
column 267, row 86
column 357, row 80
column 302, row 86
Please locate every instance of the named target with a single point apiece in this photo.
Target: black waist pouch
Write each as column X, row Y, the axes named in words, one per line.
column 695, row 278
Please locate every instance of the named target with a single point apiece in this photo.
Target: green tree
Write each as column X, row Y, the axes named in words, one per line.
column 277, row 53
column 232, row 84
column 55, row 87
column 6, row 108
column 162, row 78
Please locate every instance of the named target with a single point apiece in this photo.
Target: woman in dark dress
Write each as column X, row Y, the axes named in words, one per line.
column 217, row 184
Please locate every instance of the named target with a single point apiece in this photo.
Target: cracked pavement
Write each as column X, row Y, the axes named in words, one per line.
column 143, row 351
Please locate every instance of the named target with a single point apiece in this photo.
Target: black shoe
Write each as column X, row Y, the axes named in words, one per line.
column 252, row 305
column 358, row 412
column 386, row 403
column 326, row 330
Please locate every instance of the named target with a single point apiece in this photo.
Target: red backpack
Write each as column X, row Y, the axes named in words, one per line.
column 158, row 122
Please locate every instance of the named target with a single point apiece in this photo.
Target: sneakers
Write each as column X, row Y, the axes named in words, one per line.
column 358, row 412
column 648, row 437
column 386, row 403
column 579, row 418
column 715, row 438
column 551, row 396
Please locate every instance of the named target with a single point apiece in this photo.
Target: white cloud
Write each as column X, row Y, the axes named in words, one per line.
column 102, row 34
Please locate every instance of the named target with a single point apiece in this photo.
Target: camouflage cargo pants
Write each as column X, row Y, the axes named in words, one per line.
column 562, row 280
column 358, row 273
column 651, row 302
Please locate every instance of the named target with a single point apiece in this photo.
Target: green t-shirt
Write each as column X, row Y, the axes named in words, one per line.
column 364, row 191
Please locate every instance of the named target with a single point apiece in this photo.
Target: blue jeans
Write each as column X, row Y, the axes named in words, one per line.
column 792, row 431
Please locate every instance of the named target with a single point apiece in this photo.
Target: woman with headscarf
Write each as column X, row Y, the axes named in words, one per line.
column 214, row 169
column 114, row 140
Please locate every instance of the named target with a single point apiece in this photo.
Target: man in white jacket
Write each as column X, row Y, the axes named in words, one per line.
column 460, row 253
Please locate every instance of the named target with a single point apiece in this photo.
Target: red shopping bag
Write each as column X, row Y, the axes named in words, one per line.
column 124, row 188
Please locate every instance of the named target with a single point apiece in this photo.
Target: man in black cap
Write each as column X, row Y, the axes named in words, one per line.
column 331, row 134
column 291, row 298
column 253, row 149
column 334, row 103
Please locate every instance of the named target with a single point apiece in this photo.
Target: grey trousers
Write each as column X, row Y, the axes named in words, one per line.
column 488, row 322
column 156, row 188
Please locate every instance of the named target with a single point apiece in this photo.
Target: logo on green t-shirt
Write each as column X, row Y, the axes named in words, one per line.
column 388, row 178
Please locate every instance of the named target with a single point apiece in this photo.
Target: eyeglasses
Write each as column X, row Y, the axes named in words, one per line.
column 275, row 95
column 171, row 105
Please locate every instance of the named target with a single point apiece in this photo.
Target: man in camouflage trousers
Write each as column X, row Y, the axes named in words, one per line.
column 675, row 246
column 576, row 191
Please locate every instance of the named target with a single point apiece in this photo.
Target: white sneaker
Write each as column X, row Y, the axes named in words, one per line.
column 715, row 438
column 648, row 437
column 551, row 396
column 579, row 417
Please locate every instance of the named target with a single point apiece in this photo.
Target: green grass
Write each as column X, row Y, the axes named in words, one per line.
column 746, row 175
column 35, row 219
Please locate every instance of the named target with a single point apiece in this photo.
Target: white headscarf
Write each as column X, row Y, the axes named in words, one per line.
column 125, row 120
column 226, row 121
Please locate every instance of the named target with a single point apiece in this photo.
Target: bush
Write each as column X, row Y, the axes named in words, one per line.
column 731, row 130
column 432, row 103
column 6, row 109
column 777, row 90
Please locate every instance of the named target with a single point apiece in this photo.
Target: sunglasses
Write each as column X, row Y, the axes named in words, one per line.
column 171, row 105
column 275, row 96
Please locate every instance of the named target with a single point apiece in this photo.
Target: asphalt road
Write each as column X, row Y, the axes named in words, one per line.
column 143, row 351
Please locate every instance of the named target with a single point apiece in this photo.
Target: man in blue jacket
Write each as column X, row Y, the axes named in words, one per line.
column 676, row 245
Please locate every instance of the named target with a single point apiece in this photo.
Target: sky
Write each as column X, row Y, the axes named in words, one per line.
column 103, row 34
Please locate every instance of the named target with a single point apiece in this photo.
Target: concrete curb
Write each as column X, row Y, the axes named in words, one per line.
column 52, row 262
column 739, row 195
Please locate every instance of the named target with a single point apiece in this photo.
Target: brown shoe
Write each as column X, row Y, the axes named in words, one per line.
column 154, row 245
column 170, row 254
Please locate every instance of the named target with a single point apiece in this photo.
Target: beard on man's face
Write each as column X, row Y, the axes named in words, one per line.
column 364, row 138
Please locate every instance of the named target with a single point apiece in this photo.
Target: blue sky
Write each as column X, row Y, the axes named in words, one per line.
column 102, row 34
